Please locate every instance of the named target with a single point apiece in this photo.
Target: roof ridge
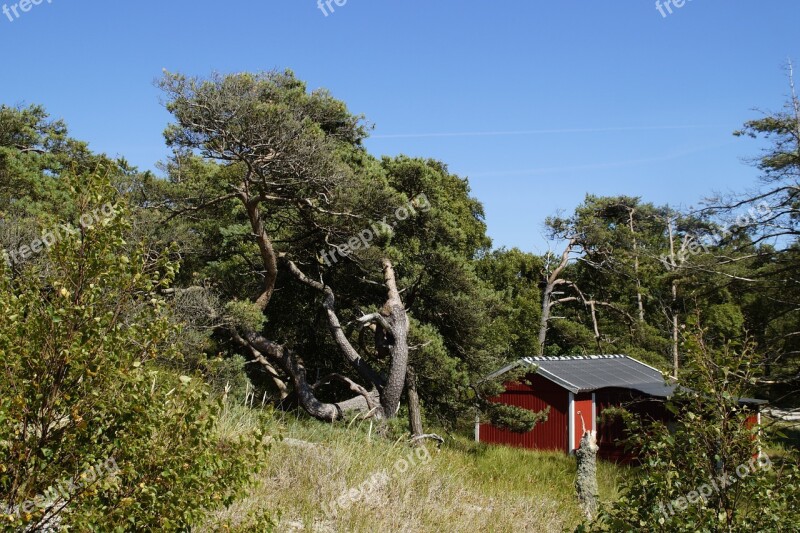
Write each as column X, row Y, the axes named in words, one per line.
column 531, row 360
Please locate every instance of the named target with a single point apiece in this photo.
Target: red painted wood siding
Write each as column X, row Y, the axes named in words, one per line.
column 553, row 434
column 549, row 435
column 583, row 408
column 611, row 430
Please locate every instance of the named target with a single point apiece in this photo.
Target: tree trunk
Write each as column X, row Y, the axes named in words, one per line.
column 596, row 326
column 639, row 298
column 335, row 327
column 395, row 314
column 270, row 354
column 675, row 334
column 586, row 481
column 269, row 258
column 392, row 327
column 544, row 324
column 391, row 338
column 414, row 411
column 674, row 310
column 293, row 366
column 551, row 283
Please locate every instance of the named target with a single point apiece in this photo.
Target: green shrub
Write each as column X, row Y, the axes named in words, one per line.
column 81, row 392
column 226, row 374
column 516, row 419
column 705, row 471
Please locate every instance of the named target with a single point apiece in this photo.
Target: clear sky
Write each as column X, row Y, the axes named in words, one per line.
column 537, row 103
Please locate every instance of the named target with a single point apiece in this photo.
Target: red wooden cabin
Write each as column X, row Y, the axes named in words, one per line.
column 577, row 390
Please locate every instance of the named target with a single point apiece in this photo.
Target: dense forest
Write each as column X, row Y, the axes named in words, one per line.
column 274, row 261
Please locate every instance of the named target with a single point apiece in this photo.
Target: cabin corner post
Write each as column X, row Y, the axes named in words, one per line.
column 571, row 424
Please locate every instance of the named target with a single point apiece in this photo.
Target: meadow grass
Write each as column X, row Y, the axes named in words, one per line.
column 462, row 486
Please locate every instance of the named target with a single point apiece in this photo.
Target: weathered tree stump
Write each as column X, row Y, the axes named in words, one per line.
column 586, row 481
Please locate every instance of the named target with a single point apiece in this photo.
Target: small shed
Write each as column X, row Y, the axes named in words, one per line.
column 577, row 389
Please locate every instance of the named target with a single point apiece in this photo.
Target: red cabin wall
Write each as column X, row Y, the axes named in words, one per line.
column 610, row 431
column 554, row 433
column 583, row 411
column 549, row 435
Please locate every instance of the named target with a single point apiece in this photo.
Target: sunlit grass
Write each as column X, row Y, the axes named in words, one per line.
column 463, row 487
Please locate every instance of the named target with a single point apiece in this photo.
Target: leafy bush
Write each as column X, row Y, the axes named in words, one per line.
column 245, row 316
column 515, row 418
column 80, row 387
column 706, row 471
column 226, row 376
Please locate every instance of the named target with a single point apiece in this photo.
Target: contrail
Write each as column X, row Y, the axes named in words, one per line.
column 543, row 131
column 601, row 166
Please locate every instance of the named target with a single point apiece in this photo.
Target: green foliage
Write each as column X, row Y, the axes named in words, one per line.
column 725, row 321
column 515, row 276
column 172, row 465
column 245, row 315
column 702, row 472
column 323, row 191
column 225, row 375
column 80, row 334
column 34, row 152
column 515, row 418
column 569, row 337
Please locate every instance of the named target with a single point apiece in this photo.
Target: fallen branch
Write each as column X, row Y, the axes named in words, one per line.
column 428, row 436
column 355, row 387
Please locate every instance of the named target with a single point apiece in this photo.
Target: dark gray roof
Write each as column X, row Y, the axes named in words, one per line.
column 588, row 373
column 592, row 372
column 656, row 390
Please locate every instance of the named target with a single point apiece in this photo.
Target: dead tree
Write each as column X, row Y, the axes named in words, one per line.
column 674, row 262
column 551, row 282
column 414, row 410
column 586, row 479
column 554, row 281
column 639, row 296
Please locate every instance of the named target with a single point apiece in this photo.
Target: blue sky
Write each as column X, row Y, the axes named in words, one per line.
column 537, row 103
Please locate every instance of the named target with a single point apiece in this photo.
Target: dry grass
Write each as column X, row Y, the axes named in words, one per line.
column 462, row 487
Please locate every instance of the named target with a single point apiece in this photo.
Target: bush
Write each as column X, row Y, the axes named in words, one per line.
column 516, row 419
column 706, row 472
column 94, row 434
column 226, row 374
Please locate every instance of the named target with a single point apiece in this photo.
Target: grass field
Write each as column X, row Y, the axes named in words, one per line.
column 384, row 485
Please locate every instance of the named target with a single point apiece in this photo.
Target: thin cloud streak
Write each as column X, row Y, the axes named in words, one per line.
column 600, row 166
column 543, row 131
